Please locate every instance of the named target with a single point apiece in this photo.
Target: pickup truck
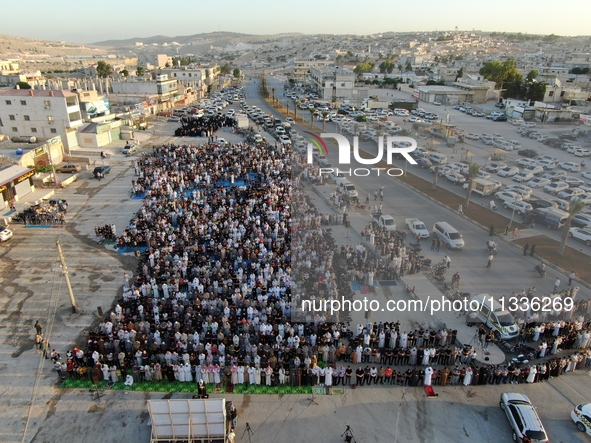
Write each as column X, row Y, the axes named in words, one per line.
column 417, row 228
column 385, row 221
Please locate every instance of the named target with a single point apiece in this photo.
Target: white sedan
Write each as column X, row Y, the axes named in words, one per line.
column 538, row 182
column 508, row 171
column 586, row 174
column 521, row 207
column 507, row 196
column 523, row 176
column 581, row 414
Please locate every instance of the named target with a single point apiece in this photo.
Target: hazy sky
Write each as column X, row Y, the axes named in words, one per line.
column 87, row 22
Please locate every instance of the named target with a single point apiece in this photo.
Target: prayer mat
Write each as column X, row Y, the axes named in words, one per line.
column 387, row 282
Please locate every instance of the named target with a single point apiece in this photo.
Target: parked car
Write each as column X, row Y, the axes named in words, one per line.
column 509, row 171
column 455, row 178
column 529, row 153
column 525, row 162
column 129, row 149
column 581, row 221
column 521, row 207
column 546, row 164
column 554, row 175
column 583, row 235
column 507, row 195
column 541, row 203
column 495, row 166
column 555, row 187
column 523, row 176
column 499, row 118
column 5, row 233
column 586, row 174
column 522, row 190
column 523, row 418
column 538, row 182
column 570, row 166
column 572, row 182
column 69, row 168
column 569, row 193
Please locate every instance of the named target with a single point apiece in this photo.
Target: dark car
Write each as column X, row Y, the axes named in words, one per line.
column 529, row 153
column 100, row 171
column 541, row 203
column 499, row 118
column 581, row 221
column 567, row 137
column 424, row 162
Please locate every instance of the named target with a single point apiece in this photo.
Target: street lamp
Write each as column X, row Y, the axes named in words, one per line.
column 513, row 212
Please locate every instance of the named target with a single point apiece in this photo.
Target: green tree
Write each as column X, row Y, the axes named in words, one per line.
column 363, row 67
column 236, row 72
column 473, row 170
column 140, row 71
column 387, row 67
column 225, row 69
column 296, row 103
column 576, row 206
column 103, row 69
column 23, row 85
column 273, row 90
column 408, row 66
column 501, row 72
column 124, row 73
column 460, row 74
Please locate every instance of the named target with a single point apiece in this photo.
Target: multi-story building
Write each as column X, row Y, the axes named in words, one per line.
column 333, row 83
column 40, row 113
column 301, row 68
column 132, row 91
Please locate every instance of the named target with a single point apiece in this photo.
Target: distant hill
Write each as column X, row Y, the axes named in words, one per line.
column 12, row 46
column 213, row 38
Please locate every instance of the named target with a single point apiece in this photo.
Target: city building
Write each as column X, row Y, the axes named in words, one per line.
column 333, row 83
column 301, row 69
column 156, row 95
column 43, row 114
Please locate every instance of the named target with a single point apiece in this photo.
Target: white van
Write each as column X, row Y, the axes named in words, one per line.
column 448, row 235
column 491, row 314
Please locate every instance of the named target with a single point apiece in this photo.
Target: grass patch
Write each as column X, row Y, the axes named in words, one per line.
column 572, row 260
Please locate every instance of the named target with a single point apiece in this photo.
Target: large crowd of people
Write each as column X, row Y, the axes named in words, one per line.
column 205, row 126
column 234, row 245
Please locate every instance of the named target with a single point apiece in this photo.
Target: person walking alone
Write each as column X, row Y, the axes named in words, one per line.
column 556, row 284
column 525, row 249
column 490, row 260
column 571, row 277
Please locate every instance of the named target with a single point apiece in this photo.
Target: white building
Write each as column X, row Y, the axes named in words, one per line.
column 333, row 83
column 40, row 113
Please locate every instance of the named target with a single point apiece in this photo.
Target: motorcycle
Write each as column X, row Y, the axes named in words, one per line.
column 540, row 269
column 491, row 249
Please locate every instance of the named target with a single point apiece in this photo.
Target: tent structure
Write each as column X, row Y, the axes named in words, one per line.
column 191, row 420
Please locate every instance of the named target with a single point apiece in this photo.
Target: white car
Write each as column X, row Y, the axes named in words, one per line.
column 581, row 234
column 5, row 233
column 538, row 182
column 509, row 171
column 517, row 122
column 455, row 178
column 524, row 191
column 417, row 228
column 523, row 176
column 586, row 174
column 290, row 120
column 482, row 174
column 515, row 143
column 284, row 139
column 581, row 414
column 582, row 152
column 507, row 196
column 569, row 193
column 546, row 164
column 495, row 166
column 521, row 207
column 555, row 187
column 535, row 170
column 570, row 166
column 525, row 162
column 471, row 136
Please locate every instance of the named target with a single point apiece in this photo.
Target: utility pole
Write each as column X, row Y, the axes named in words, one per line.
column 65, row 269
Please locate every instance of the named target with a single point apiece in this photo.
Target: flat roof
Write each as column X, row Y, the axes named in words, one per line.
column 9, row 173
column 440, row 88
column 36, row 93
